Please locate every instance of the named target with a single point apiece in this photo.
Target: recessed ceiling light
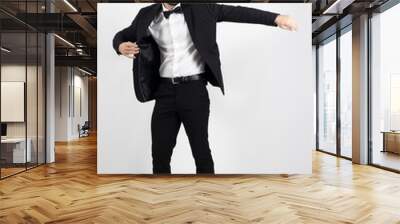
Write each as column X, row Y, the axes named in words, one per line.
column 84, row 71
column 337, row 7
column 70, row 5
column 5, row 50
column 64, row 40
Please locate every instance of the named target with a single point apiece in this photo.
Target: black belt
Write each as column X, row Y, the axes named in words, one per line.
column 182, row 79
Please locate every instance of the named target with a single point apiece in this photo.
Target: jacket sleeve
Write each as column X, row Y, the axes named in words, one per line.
column 242, row 14
column 127, row 34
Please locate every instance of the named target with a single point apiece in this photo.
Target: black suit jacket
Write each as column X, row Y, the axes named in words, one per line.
column 202, row 22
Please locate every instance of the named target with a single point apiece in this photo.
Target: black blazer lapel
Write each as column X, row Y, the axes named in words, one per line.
column 187, row 12
column 148, row 17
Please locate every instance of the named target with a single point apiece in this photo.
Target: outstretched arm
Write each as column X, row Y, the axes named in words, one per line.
column 250, row 15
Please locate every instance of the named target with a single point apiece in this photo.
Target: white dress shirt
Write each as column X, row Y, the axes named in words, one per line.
column 179, row 56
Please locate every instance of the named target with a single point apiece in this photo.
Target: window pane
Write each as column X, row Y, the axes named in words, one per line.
column 346, row 93
column 386, row 89
column 327, row 97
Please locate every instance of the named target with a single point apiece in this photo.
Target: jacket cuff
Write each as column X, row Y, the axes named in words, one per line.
column 274, row 16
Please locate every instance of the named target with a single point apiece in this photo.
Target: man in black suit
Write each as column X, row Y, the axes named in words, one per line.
column 185, row 35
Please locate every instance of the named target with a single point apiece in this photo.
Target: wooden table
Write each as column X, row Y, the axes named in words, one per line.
column 391, row 141
column 13, row 150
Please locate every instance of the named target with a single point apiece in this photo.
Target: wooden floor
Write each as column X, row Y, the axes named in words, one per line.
column 69, row 191
column 5, row 172
column 386, row 159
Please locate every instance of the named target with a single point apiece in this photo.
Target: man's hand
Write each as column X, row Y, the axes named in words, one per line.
column 286, row 23
column 129, row 49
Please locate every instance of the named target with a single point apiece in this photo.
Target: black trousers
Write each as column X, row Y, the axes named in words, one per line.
column 189, row 104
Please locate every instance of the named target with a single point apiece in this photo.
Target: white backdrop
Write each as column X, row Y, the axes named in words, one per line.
column 264, row 123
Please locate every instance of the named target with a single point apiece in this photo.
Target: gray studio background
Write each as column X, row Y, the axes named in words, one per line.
column 264, row 123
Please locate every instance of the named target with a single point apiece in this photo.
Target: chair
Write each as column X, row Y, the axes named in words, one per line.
column 84, row 130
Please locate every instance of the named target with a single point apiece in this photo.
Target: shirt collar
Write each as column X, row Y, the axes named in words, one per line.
column 165, row 9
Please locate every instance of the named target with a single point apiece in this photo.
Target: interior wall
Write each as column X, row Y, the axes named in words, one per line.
column 83, row 83
column 69, row 84
column 62, row 80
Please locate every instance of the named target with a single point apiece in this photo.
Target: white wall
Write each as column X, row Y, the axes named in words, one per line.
column 80, row 84
column 68, row 80
column 264, row 123
column 61, row 103
column 12, row 101
column 15, row 73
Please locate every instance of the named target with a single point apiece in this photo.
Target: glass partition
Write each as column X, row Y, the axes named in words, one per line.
column 32, row 95
column 14, row 153
column 34, row 61
column 22, row 77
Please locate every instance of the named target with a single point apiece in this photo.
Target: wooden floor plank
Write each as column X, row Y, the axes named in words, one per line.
column 70, row 191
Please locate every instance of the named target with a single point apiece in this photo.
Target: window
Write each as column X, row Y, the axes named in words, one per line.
column 385, row 89
column 346, row 94
column 327, row 97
